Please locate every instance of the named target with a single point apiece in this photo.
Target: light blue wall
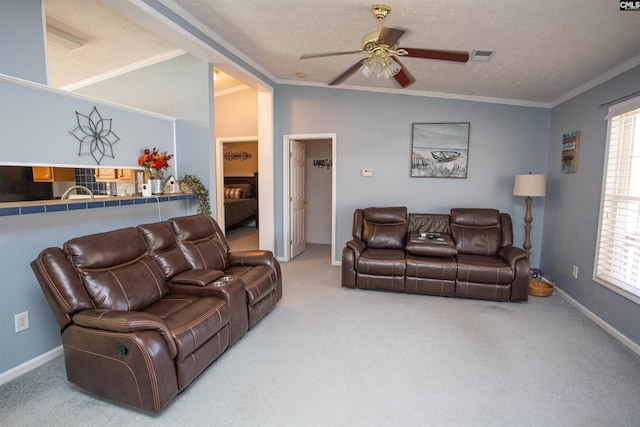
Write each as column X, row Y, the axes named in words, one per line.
column 35, row 125
column 374, row 131
column 22, row 47
column 181, row 87
column 573, row 204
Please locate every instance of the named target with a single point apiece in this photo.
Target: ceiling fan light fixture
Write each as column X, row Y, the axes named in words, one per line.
column 365, row 69
column 376, row 65
column 383, row 67
column 382, row 49
column 392, row 67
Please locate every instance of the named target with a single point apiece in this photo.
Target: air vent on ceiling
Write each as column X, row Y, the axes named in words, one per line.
column 481, row 55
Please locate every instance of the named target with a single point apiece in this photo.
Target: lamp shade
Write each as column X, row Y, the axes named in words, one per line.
column 532, row 185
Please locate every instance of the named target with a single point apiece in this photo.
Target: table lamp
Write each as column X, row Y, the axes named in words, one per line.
column 529, row 185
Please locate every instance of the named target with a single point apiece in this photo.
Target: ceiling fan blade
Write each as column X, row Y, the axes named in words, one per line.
column 344, row 76
column 404, row 77
column 444, row 55
column 322, row 55
column 390, row 36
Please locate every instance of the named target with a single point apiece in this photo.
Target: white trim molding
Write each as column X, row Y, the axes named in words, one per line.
column 29, row 365
column 124, row 70
column 600, row 322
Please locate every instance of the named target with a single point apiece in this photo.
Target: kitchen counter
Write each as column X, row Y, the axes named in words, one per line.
column 46, row 206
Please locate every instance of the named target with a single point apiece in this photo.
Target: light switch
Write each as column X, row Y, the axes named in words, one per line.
column 367, row 172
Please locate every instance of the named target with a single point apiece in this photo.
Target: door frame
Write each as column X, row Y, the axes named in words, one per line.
column 286, row 209
column 220, row 219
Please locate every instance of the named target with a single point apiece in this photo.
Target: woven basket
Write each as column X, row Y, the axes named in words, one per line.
column 186, row 188
column 541, row 288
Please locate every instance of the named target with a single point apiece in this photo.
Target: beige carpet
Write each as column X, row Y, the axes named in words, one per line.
column 328, row 356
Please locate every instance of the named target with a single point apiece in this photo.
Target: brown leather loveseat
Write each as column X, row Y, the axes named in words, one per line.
column 468, row 253
column 143, row 311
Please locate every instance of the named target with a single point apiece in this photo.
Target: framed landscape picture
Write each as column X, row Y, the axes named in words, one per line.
column 440, row 150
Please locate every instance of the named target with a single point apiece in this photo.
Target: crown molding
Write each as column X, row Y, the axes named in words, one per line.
column 625, row 66
column 426, row 94
column 124, row 70
column 229, row 91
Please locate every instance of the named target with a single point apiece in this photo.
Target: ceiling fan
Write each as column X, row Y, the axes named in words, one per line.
column 382, row 50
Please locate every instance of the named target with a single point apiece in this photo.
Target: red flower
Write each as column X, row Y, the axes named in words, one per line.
column 154, row 159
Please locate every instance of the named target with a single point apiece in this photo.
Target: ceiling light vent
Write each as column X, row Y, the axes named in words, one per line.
column 481, row 55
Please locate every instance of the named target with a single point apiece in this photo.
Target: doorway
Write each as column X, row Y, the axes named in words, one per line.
column 238, row 192
column 316, row 206
column 239, row 218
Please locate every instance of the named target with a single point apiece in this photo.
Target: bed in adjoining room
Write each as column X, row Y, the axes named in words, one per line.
column 240, row 200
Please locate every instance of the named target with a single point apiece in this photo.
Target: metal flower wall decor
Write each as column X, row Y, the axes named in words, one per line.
column 95, row 135
column 237, row 155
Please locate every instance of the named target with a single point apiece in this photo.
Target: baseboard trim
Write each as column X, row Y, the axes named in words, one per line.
column 29, row 365
column 600, row 322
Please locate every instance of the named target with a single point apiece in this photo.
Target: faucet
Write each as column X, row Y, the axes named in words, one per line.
column 76, row 187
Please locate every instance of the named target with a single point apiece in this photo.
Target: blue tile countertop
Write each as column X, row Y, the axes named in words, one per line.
column 45, row 206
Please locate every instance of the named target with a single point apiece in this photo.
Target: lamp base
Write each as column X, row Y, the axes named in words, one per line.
column 527, row 225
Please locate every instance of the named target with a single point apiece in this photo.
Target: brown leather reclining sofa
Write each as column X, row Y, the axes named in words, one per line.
column 467, row 254
column 143, row 311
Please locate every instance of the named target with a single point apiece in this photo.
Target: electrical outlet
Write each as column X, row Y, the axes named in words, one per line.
column 574, row 272
column 22, row 321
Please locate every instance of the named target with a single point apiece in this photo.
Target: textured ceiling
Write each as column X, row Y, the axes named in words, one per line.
column 544, row 49
column 110, row 41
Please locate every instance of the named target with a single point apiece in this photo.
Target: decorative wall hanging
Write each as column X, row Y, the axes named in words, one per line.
column 323, row 163
column 440, row 150
column 95, row 135
column 570, row 149
column 237, row 155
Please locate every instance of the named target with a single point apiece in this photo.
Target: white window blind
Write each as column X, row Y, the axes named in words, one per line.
column 618, row 249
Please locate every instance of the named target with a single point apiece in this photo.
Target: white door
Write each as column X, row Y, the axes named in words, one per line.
column 297, row 199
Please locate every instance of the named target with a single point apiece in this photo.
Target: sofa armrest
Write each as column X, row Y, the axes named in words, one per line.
column 253, row 257
column 512, row 254
column 125, row 321
column 350, row 254
column 519, row 262
column 257, row 257
column 197, row 277
column 357, row 246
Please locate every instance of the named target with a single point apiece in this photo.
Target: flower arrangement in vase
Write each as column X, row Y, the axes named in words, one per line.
column 157, row 162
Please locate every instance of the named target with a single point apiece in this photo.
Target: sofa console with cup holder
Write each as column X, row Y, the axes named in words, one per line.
column 143, row 311
column 468, row 253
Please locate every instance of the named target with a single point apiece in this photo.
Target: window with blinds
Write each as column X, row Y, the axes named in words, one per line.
column 618, row 249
